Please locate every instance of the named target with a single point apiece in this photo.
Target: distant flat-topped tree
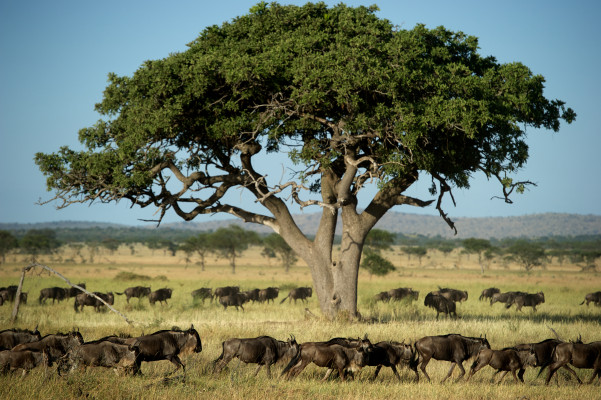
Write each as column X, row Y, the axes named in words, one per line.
column 350, row 97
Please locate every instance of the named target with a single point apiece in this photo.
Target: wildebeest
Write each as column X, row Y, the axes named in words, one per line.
column 202, row 294
column 390, row 354
column 269, row 294
column 9, row 293
column 452, row 347
column 441, row 304
column 135, row 291
column 167, row 345
column 594, row 297
column 25, row 360
column 121, row 357
column 55, row 345
column 54, row 293
column 506, row 297
column 299, row 293
column 84, row 299
column 452, row 294
column 382, row 296
column 160, row 295
column 488, row 293
column 505, row 360
column 252, row 295
column 544, row 353
column 225, row 291
column 73, row 291
column 263, row 350
column 528, row 300
column 580, row 355
column 233, row 300
column 9, row 338
column 401, row 293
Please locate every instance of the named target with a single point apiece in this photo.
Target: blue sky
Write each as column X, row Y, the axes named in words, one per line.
column 55, row 57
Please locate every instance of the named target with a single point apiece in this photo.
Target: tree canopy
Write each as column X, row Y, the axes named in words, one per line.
column 350, row 97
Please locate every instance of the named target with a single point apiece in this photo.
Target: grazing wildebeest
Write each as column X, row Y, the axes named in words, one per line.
column 528, row 300
column 120, row 357
column 488, row 293
column 269, row 294
column 25, row 360
column 160, row 295
column 382, row 296
column 225, row 291
column 452, row 347
column 441, row 304
column 135, row 291
column 594, row 297
column 252, row 295
column 54, row 293
column 544, row 353
column 263, row 350
column 506, row 297
column 84, row 299
column 299, row 293
column 580, row 355
column 391, row 354
column 452, row 294
column 55, row 345
column 167, row 345
column 9, row 338
column 401, row 293
column 233, row 300
column 505, row 360
column 202, row 294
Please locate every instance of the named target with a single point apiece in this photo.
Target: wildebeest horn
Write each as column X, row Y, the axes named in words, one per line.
column 191, row 326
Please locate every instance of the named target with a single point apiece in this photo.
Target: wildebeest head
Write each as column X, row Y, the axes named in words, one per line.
column 192, row 342
column 528, row 357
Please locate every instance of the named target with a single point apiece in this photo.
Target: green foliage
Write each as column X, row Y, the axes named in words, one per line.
column 376, row 264
column 230, row 242
column 275, row 244
column 7, row 243
column 528, row 254
column 39, row 241
column 379, row 239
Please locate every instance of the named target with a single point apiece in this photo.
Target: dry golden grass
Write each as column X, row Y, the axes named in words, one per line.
column 564, row 289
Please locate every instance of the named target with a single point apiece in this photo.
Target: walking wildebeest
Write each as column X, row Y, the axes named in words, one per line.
column 252, row 295
column 167, row 345
column 54, row 293
column 488, row 293
column 505, row 360
column 452, row 294
column 528, row 300
column 382, row 296
column 299, row 293
column 9, row 338
column 391, row 354
column 202, row 294
column 135, row 291
column 100, row 354
column 580, row 355
column 441, row 304
column 263, row 350
column 55, row 345
column 401, row 293
column 25, row 360
column 160, row 295
column 225, row 291
column 506, row 297
column 452, row 347
column 544, row 353
column 84, row 299
column 233, row 300
column 269, row 294
column 594, row 297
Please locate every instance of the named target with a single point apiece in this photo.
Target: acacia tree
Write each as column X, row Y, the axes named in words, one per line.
column 200, row 244
column 231, row 241
column 350, row 97
column 275, row 244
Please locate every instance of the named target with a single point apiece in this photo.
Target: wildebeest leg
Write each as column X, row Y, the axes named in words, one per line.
column 552, row 368
column 475, row 368
column 573, row 373
column 503, row 373
column 268, row 371
column 514, row 376
column 258, row 368
column 378, row 368
column 425, row 362
column 178, row 363
column 460, row 364
column 327, row 375
column 596, row 373
column 521, row 374
column 450, row 372
column 396, row 373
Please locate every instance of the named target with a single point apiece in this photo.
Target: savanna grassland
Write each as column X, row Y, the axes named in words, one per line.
column 564, row 287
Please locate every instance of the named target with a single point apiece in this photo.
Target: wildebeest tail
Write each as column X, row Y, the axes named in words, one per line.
column 547, row 363
column 119, row 293
column 221, row 356
column 292, row 362
column 414, row 360
column 284, row 299
column 582, row 302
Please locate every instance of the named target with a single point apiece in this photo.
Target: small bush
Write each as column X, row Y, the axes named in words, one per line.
column 130, row 276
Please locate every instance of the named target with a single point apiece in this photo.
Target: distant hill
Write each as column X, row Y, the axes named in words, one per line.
column 533, row 226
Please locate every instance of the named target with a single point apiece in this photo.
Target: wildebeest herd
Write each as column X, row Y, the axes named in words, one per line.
column 24, row 350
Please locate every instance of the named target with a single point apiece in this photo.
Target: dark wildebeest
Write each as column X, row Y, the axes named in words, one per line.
column 594, row 297
column 544, row 353
column 84, row 299
column 506, row 297
column 160, row 295
column 167, row 345
column 202, row 294
column 580, row 355
column 269, row 294
column 441, row 304
column 252, row 295
column 336, row 354
column 225, row 291
column 73, row 291
column 452, row 294
column 401, row 293
column 9, row 338
column 528, row 300
column 299, row 293
column 505, row 360
column 135, row 291
column 8, row 293
column 121, row 357
column 454, row 348
column 55, row 345
column 54, row 293
column 391, row 354
column 233, row 300
column 25, row 360
column 263, row 350
column 382, row 296
column 488, row 293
